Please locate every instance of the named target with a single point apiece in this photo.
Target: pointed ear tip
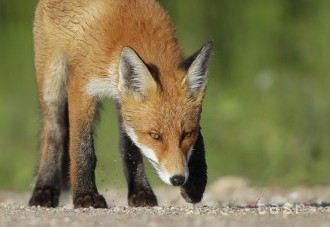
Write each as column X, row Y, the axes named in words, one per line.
column 126, row 49
column 208, row 45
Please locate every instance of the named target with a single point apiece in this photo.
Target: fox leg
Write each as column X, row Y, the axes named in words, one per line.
column 54, row 134
column 82, row 112
column 53, row 147
column 192, row 191
column 140, row 193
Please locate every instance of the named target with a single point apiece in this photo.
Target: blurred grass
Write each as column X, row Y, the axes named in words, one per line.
column 266, row 112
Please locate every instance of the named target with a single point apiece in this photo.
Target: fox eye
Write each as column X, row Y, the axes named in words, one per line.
column 187, row 134
column 155, row 136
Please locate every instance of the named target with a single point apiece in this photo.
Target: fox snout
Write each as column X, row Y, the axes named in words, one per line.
column 174, row 168
column 171, row 165
column 176, row 179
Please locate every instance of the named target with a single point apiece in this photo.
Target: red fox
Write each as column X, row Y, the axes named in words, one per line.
column 88, row 50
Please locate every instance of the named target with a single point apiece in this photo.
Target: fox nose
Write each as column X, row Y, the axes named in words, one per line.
column 177, row 180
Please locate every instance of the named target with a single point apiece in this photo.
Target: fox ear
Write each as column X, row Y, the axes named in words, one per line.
column 134, row 76
column 196, row 65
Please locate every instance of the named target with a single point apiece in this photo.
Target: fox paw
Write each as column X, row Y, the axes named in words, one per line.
column 44, row 197
column 191, row 193
column 90, row 200
column 142, row 199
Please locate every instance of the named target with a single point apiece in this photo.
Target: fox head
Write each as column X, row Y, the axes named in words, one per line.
column 161, row 115
column 160, row 111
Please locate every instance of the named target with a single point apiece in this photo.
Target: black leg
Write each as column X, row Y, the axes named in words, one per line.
column 139, row 189
column 82, row 112
column 53, row 148
column 193, row 190
column 85, row 193
column 65, row 157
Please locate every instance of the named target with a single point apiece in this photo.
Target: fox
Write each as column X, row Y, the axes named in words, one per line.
column 126, row 50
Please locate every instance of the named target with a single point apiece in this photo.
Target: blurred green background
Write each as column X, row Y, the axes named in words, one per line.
column 266, row 114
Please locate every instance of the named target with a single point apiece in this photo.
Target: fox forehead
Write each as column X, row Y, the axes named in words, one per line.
column 161, row 112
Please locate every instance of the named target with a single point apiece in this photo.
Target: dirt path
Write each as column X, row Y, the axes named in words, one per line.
column 228, row 202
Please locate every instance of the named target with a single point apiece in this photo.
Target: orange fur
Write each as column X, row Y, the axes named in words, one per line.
column 92, row 33
column 79, row 43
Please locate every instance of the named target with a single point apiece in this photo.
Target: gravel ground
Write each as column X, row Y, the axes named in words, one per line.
column 228, row 202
